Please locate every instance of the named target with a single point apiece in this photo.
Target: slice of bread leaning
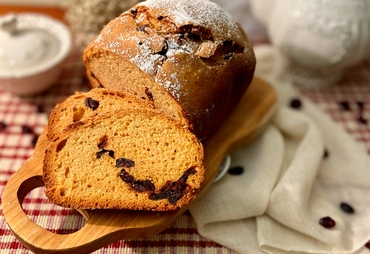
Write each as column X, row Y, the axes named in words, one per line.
column 137, row 159
column 81, row 106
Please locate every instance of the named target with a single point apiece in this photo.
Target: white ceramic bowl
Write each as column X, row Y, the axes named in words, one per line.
column 32, row 48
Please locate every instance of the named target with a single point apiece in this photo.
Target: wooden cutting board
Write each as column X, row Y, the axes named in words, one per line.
column 106, row 226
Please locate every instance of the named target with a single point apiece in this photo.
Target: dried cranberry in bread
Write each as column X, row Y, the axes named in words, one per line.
column 187, row 56
column 81, row 106
column 133, row 159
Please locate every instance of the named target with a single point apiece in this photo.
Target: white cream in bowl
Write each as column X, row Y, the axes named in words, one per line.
column 32, row 46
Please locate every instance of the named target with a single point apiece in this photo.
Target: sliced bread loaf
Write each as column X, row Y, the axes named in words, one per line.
column 133, row 159
column 81, row 106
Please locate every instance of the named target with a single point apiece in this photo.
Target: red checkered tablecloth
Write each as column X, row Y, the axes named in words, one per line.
column 22, row 119
column 348, row 102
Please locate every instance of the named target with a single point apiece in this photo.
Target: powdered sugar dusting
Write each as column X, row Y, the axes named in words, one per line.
column 149, row 58
column 146, row 60
column 99, row 38
column 182, row 17
column 114, row 45
column 199, row 13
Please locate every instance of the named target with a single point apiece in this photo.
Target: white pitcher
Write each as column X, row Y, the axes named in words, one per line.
column 321, row 39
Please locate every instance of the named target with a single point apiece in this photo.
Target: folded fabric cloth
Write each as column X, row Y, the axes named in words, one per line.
column 301, row 169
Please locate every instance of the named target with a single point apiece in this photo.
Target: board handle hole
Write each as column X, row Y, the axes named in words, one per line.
column 38, row 208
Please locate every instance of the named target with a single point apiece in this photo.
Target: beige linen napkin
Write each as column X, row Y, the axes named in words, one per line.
column 288, row 184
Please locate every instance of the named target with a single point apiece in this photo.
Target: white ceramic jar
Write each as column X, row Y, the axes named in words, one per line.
column 321, row 39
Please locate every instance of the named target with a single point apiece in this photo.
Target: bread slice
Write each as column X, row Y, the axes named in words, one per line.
column 81, row 106
column 188, row 56
column 133, row 159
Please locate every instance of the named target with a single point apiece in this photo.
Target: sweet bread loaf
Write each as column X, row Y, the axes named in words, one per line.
column 137, row 159
column 81, row 106
column 188, row 57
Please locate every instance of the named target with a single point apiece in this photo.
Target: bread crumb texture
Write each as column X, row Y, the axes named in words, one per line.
column 134, row 159
column 81, row 106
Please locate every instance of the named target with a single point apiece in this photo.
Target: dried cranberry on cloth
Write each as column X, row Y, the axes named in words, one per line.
column 298, row 176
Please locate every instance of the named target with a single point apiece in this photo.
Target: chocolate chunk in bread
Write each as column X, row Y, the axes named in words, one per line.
column 188, row 57
column 146, row 161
